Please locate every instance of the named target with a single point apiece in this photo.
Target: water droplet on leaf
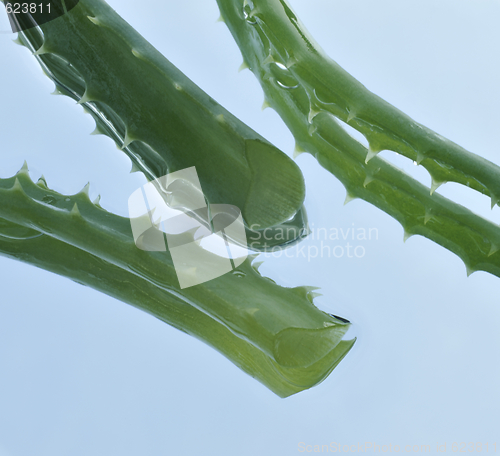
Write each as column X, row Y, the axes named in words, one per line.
column 49, row 199
column 238, row 273
column 247, row 13
column 284, row 86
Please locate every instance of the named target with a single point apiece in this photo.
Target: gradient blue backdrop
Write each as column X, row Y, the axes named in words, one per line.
column 82, row 374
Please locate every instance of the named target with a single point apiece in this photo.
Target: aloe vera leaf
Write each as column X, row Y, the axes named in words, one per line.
column 332, row 90
column 314, row 96
column 276, row 334
column 65, row 260
column 164, row 122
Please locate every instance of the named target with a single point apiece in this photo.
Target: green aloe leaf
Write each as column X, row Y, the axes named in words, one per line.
column 273, row 333
column 316, row 98
column 163, row 121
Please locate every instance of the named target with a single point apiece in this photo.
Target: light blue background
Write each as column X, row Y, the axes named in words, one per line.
column 83, row 374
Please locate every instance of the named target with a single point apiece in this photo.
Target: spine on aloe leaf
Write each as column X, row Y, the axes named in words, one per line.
column 163, row 121
column 273, row 333
column 314, row 96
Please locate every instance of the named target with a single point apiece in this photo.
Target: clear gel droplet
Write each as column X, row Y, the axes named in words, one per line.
column 284, row 78
column 238, row 273
column 247, row 13
column 49, row 199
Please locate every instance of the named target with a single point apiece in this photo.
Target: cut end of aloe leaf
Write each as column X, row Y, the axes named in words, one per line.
column 275, row 334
